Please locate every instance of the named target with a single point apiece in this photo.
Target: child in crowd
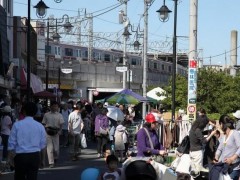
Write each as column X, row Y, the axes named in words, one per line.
column 120, row 141
column 113, row 173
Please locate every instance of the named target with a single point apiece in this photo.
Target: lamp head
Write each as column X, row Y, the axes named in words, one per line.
column 126, row 33
column 136, row 45
column 148, row 1
column 163, row 13
column 56, row 37
column 41, row 9
column 68, row 27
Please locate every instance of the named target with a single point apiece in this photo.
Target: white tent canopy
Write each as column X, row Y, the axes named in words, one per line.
column 153, row 93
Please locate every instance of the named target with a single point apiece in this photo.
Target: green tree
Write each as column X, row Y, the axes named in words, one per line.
column 180, row 93
column 217, row 92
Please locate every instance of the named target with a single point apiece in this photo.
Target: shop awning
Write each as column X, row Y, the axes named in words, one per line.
column 35, row 82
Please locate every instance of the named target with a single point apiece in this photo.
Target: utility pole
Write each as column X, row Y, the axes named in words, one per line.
column 125, row 44
column 192, row 62
column 145, row 48
column 90, row 36
column 47, row 66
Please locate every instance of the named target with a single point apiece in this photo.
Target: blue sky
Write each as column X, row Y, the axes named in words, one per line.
column 216, row 20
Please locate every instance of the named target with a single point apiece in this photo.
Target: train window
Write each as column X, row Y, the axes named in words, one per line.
column 119, row 60
column 169, row 68
column 48, row 49
column 86, row 54
column 107, row 57
column 134, row 61
column 57, row 50
column 155, row 65
column 78, row 52
column 162, row 66
column 68, row 52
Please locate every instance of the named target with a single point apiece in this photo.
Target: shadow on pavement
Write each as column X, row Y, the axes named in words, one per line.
column 66, row 169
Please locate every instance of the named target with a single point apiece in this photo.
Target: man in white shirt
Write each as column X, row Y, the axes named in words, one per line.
column 26, row 140
column 75, row 126
column 53, row 122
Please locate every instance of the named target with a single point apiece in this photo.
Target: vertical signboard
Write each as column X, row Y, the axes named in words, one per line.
column 39, row 27
column 192, row 90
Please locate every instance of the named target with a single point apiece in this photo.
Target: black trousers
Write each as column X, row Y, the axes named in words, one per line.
column 26, row 166
column 5, row 146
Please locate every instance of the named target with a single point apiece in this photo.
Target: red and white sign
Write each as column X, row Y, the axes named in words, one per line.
column 193, row 64
column 191, row 109
column 95, row 93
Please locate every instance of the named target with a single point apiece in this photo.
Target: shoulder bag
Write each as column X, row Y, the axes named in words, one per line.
column 102, row 131
column 156, row 157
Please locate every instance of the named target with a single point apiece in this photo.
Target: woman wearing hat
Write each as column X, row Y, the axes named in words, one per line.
column 6, row 124
column 237, row 116
column 147, row 139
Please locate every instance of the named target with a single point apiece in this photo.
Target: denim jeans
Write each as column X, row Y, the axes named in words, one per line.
column 235, row 174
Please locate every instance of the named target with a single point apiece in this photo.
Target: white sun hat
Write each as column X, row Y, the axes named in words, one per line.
column 237, row 114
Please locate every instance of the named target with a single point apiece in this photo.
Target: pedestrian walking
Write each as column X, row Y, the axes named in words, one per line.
column 64, row 135
column 75, row 126
column 26, row 140
column 53, row 122
column 120, row 142
column 6, row 124
column 197, row 142
column 102, row 131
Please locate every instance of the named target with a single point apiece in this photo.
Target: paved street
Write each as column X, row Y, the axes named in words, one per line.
column 67, row 169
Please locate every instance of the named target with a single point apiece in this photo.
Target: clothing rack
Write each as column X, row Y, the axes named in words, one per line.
column 171, row 134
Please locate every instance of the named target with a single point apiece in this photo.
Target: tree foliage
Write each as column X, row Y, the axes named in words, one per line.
column 217, row 92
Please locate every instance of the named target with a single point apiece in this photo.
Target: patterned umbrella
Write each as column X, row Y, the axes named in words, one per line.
column 126, row 97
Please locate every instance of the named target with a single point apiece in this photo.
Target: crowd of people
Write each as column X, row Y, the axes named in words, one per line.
column 63, row 124
column 33, row 134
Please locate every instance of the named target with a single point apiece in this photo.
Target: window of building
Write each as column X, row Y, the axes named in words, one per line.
column 107, row 57
column 68, row 52
column 57, row 50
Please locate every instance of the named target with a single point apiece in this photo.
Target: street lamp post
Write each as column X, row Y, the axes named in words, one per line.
column 56, row 37
column 163, row 14
column 41, row 11
column 174, row 60
column 126, row 35
column 145, row 48
column 129, row 75
column 28, row 51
